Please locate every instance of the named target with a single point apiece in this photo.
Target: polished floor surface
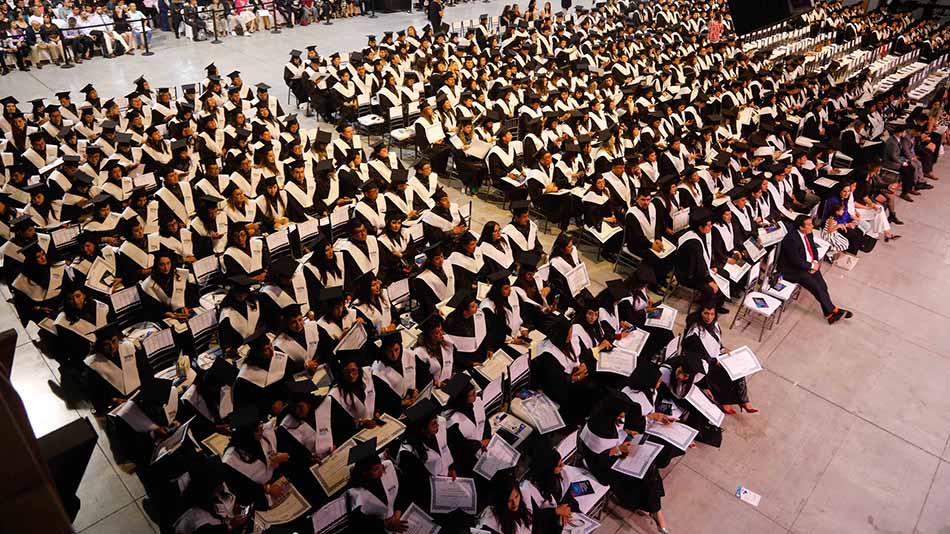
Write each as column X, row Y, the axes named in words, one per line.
column 853, row 431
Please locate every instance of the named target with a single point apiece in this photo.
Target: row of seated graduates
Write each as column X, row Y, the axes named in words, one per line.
column 25, row 227
column 694, row 145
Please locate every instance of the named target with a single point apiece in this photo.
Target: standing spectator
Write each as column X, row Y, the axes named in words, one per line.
column 139, row 22
column 435, row 15
column 715, row 29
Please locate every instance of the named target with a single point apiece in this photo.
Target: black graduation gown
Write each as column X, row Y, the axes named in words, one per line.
column 246, row 392
column 575, row 399
column 635, row 494
column 228, row 336
column 464, row 450
column 427, row 300
column 154, row 310
column 100, row 391
column 691, row 269
column 457, row 325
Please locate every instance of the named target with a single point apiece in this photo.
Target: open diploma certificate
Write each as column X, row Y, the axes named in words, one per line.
column 639, row 460
column 617, row 361
column 216, row 443
column 391, row 429
column 578, row 279
column 333, row 473
column 676, row 434
column 495, row 366
column 580, row 524
column 701, row 402
column 663, row 317
column 538, row 411
column 498, row 455
column 418, row 521
column 448, row 495
column 291, row 507
column 633, row 341
column 740, row 363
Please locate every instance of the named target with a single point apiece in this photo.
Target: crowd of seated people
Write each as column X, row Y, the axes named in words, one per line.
column 329, row 326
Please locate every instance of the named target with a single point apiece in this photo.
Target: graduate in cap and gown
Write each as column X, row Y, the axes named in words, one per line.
column 425, row 453
column 210, row 399
column 703, row 338
column 255, row 474
column 37, row 289
column 167, row 293
column 397, row 375
column 563, row 374
column 502, row 309
column 467, row 328
column 375, row 495
column 605, row 438
column 434, row 284
column 239, row 317
column 468, row 429
column 522, row 232
column 299, row 339
column 260, row 379
column 694, row 255
column 115, row 370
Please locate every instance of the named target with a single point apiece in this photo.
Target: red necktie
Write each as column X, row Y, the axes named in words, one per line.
column 810, row 251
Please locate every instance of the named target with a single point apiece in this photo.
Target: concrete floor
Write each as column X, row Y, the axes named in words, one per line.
column 853, row 432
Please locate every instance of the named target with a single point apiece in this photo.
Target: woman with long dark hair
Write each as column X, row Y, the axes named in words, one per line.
column 166, row 293
column 239, row 317
column 434, row 350
column 466, row 263
column 260, row 379
column 468, row 330
column 496, row 252
column 508, row 513
column 323, row 267
column 371, row 302
column 469, row 431
column 502, row 309
column 253, row 459
column 703, row 338
column 37, row 289
column 397, row 376
column 605, row 439
column 76, row 325
column 563, row 258
column 564, row 375
column 244, row 255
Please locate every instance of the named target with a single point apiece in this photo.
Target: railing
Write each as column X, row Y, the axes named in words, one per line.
column 65, row 41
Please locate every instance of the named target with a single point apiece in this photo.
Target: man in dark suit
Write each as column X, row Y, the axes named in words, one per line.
column 798, row 262
column 894, row 160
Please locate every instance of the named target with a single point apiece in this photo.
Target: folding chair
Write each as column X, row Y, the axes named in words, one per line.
column 161, row 352
column 755, row 304
column 782, row 290
column 626, row 258
column 399, row 133
column 369, row 123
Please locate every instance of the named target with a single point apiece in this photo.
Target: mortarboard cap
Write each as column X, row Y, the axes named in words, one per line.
column 364, row 454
